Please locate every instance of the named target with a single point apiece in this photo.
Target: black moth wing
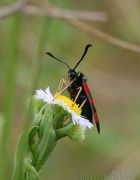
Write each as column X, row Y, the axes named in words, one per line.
column 73, row 90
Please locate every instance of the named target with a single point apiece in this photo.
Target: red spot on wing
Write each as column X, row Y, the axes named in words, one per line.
column 86, row 88
column 92, row 104
column 91, row 101
column 96, row 117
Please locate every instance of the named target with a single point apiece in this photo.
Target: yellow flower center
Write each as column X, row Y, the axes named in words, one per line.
column 71, row 104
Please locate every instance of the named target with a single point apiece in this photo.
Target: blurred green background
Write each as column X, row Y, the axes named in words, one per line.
column 113, row 76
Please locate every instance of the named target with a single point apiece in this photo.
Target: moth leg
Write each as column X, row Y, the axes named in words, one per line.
column 83, row 103
column 67, row 85
column 80, row 89
column 59, row 86
column 62, row 82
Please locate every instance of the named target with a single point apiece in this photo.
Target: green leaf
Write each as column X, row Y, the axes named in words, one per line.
column 32, row 142
column 30, row 172
column 37, row 104
column 59, row 116
column 77, row 133
column 21, row 151
column 47, row 138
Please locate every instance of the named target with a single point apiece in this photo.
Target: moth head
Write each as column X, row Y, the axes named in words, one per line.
column 72, row 74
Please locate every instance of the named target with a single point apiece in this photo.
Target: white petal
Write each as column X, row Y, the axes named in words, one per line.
column 40, row 94
column 45, row 96
column 82, row 121
column 48, row 92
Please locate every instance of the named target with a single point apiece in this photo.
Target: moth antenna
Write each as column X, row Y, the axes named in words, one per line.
column 86, row 49
column 48, row 53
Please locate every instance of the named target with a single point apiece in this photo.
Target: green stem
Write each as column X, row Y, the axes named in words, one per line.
column 9, row 96
column 62, row 132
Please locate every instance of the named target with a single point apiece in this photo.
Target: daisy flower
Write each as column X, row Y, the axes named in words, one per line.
column 68, row 105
